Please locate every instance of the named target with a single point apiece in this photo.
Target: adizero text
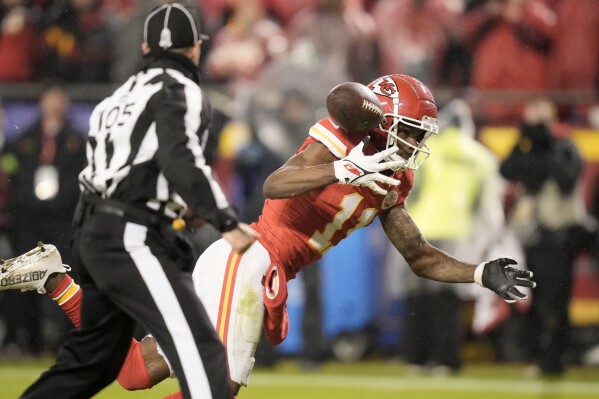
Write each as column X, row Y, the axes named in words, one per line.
column 28, row 277
column 29, row 271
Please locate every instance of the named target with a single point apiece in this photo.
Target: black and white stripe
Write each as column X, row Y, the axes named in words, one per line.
column 152, row 273
column 145, row 145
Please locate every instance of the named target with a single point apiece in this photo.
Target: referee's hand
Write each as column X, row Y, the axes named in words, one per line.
column 241, row 237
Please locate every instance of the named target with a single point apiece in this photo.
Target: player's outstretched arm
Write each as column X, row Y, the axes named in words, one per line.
column 305, row 171
column 432, row 263
column 316, row 167
column 424, row 259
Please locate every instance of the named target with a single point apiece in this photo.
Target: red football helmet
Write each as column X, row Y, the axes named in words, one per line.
column 406, row 103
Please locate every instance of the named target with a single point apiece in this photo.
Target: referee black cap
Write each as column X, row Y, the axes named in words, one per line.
column 172, row 26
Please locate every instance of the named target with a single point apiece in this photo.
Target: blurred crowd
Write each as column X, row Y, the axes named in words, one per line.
column 485, row 45
column 277, row 60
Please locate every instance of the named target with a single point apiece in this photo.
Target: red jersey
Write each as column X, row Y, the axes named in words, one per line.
column 298, row 231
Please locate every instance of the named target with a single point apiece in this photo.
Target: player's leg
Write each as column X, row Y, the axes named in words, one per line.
column 237, row 308
column 162, row 299
column 145, row 366
column 41, row 270
column 80, row 371
column 134, row 374
column 32, row 270
column 230, row 287
column 142, row 366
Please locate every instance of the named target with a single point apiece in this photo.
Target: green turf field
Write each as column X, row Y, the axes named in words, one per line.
column 364, row 380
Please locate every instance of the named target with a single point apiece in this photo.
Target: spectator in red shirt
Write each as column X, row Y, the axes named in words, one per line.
column 510, row 41
column 575, row 55
column 17, row 42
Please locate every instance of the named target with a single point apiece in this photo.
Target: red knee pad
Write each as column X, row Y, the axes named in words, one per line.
column 134, row 375
column 276, row 320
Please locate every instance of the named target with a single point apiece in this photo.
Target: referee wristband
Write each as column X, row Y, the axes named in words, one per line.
column 227, row 220
column 228, row 226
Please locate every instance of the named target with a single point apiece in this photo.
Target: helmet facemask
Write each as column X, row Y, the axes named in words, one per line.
column 420, row 151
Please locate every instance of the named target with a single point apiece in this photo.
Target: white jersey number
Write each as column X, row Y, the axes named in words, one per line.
column 321, row 240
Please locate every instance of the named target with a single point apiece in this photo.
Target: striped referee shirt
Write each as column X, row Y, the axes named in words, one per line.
column 145, row 145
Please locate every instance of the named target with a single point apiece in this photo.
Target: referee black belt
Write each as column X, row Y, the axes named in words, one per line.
column 121, row 209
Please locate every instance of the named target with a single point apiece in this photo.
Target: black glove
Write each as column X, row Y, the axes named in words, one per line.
column 497, row 276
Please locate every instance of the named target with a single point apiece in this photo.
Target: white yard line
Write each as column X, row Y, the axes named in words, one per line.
column 427, row 384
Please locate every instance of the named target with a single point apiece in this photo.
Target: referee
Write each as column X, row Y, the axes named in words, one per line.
column 145, row 172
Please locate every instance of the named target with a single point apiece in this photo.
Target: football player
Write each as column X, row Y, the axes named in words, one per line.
column 338, row 181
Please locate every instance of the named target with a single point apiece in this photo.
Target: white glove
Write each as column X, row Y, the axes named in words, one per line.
column 358, row 169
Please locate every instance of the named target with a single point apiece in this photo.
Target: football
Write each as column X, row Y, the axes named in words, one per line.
column 354, row 107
